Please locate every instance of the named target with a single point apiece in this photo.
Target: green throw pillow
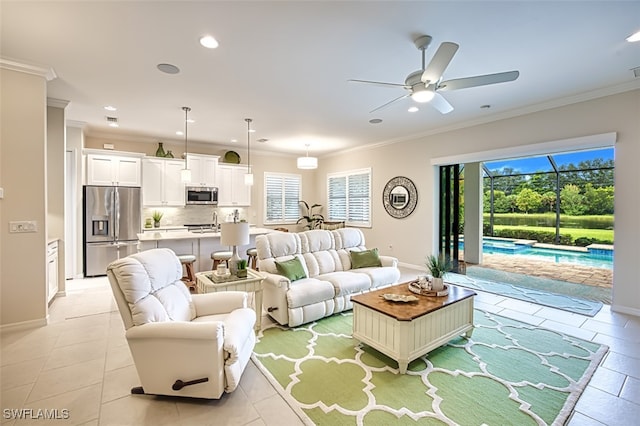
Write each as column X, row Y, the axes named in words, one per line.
column 365, row 259
column 291, row 269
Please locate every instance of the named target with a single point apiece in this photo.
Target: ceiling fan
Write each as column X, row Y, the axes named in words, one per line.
column 424, row 85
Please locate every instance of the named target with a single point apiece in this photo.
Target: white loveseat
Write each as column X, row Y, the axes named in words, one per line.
column 182, row 345
column 330, row 280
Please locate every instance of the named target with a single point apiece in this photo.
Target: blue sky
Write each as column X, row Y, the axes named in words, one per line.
column 535, row 164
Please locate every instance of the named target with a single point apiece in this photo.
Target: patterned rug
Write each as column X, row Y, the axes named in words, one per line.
column 507, row 373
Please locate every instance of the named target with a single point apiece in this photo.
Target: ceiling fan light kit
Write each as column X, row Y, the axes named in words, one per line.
column 423, row 85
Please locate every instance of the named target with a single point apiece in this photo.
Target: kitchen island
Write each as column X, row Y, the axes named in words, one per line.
column 199, row 243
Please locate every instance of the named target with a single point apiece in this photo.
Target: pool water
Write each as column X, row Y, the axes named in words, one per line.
column 599, row 259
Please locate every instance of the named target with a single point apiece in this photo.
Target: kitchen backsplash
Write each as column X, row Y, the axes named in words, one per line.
column 192, row 214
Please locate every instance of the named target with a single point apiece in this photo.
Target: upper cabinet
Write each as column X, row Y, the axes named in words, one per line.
column 161, row 182
column 203, row 169
column 232, row 191
column 113, row 170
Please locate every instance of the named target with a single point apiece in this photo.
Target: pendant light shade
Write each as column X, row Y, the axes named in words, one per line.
column 248, row 177
column 307, row 163
column 185, row 174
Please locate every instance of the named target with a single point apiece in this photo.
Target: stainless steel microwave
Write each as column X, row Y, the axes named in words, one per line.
column 201, row 195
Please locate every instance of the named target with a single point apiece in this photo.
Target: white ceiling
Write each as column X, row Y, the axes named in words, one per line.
column 286, row 64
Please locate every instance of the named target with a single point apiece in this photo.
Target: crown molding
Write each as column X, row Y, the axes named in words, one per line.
column 11, row 64
column 57, row 103
column 76, row 123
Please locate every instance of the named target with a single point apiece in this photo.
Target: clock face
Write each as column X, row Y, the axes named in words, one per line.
column 400, row 197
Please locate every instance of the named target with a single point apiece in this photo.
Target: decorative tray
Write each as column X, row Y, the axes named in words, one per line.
column 222, row 278
column 414, row 287
column 231, row 157
column 392, row 297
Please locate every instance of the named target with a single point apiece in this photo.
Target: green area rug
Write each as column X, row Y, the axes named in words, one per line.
column 508, row 373
column 523, row 287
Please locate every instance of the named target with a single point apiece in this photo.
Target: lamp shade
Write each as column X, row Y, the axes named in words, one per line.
column 307, row 163
column 234, row 234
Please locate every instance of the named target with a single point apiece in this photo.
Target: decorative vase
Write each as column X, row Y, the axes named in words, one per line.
column 156, row 224
column 148, row 223
column 160, row 151
column 169, row 154
column 242, row 273
column 437, row 284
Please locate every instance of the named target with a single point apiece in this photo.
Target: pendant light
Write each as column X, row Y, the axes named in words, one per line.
column 185, row 174
column 248, row 177
column 307, row 162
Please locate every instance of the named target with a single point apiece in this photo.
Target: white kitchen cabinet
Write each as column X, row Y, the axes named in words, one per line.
column 232, row 191
column 203, row 169
column 52, row 270
column 161, row 182
column 113, row 170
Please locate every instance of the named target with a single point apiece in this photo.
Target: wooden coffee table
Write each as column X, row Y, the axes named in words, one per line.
column 405, row 331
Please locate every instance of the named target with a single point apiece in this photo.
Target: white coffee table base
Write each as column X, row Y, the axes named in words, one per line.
column 405, row 341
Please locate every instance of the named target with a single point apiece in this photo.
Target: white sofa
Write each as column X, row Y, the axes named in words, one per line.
column 182, row 345
column 330, row 281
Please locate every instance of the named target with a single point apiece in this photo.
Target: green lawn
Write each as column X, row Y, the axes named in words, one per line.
column 600, row 234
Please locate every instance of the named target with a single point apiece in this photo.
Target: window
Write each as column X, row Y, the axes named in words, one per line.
column 282, row 194
column 349, row 195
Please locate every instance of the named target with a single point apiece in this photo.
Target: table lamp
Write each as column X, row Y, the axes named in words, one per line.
column 234, row 234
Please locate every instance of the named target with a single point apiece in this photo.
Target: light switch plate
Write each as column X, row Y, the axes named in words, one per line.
column 23, row 226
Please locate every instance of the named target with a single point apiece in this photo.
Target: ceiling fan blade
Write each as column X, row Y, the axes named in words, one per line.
column 389, row 103
column 441, row 104
column 439, row 62
column 380, row 83
column 480, row 80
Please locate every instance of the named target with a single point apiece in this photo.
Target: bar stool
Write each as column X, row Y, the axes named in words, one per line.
column 252, row 254
column 219, row 257
column 189, row 279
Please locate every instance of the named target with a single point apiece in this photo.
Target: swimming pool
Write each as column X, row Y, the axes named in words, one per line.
column 595, row 259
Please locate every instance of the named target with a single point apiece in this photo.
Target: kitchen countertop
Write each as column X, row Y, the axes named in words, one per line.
column 186, row 235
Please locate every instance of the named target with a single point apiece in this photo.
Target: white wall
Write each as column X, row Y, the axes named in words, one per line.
column 23, row 177
column 412, row 238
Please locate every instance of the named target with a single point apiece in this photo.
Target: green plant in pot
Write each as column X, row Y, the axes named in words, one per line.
column 312, row 220
column 242, row 268
column 438, row 266
column 157, row 217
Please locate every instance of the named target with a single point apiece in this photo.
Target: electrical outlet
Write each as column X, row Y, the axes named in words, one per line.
column 23, row 226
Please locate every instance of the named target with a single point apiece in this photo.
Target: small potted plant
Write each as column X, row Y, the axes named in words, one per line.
column 242, row 268
column 438, row 266
column 157, row 216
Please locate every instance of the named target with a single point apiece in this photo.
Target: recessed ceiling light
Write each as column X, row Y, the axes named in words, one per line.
column 252, row 130
column 191, row 121
column 110, row 108
column 634, row 37
column 179, row 133
column 234, row 140
column 375, row 121
column 413, row 109
column 209, row 42
column 168, row 68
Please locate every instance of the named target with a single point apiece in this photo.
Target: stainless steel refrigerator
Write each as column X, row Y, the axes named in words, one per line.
column 111, row 224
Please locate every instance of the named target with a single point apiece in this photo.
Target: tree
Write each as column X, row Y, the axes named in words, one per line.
column 598, row 200
column 511, row 202
column 572, row 201
column 549, row 200
column 528, row 199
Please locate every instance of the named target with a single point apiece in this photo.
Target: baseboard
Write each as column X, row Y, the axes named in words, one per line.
column 625, row 310
column 411, row 266
column 24, row 325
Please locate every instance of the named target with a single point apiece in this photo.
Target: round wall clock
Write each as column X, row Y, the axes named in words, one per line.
column 400, row 197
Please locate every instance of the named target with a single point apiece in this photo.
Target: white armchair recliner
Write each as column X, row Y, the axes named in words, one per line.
column 182, row 345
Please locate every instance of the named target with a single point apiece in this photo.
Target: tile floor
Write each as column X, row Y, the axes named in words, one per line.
column 81, row 363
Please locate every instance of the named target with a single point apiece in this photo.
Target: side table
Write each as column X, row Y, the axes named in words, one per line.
column 253, row 283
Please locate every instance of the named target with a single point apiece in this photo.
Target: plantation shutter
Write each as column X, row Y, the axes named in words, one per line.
column 349, row 195
column 282, row 194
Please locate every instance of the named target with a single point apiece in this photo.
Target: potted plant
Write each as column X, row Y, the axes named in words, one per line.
column 242, row 268
column 312, row 220
column 438, row 266
column 157, row 216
